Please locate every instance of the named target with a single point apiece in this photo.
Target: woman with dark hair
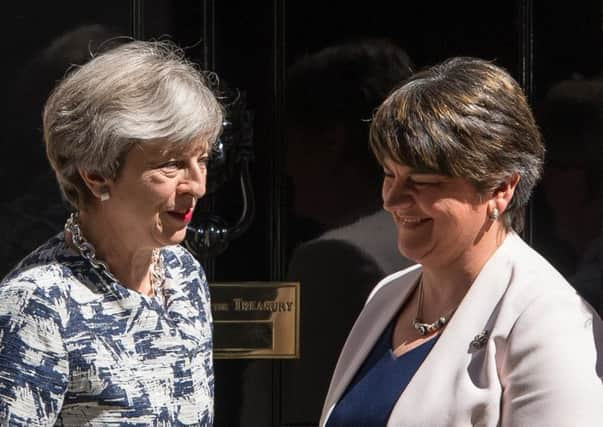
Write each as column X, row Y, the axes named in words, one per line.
column 483, row 331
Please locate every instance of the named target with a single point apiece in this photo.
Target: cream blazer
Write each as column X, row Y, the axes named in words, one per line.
column 522, row 349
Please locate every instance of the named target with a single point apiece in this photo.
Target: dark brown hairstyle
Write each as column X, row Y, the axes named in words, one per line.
column 466, row 118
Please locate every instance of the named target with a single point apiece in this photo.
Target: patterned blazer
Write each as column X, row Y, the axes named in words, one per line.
column 77, row 348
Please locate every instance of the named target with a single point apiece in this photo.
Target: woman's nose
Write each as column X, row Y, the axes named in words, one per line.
column 194, row 181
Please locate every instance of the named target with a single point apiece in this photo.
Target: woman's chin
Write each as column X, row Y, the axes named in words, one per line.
column 412, row 253
column 170, row 232
column 177, row 237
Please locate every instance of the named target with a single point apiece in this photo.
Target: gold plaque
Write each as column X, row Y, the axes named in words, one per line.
column 255, row 320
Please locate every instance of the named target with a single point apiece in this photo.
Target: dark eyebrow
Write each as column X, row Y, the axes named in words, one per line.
column 425, row 171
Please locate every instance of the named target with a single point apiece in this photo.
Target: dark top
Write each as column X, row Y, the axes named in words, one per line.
column 371, row 396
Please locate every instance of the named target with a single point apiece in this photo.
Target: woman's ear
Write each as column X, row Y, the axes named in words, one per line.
column 503, row 194
column 98, row 185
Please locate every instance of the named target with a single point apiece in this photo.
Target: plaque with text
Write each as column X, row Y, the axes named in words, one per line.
column 255, row 320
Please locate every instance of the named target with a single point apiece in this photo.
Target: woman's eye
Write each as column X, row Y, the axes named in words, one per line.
column 421, row 183
column 171, row 165
column 388, row 174
column 174, row 165
column 203, row 161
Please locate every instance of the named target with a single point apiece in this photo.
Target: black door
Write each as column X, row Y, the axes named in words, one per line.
column 311, row 73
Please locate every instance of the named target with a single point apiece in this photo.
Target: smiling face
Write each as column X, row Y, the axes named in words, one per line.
column 440, row 220
column 152, row 199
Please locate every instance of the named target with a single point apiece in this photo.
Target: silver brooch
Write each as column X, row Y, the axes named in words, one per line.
column 479, row 340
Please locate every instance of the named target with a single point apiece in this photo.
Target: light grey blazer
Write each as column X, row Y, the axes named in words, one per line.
column 540, row 364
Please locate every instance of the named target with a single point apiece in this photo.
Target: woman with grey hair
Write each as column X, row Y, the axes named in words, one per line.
column 483, row 331
column 109, row 322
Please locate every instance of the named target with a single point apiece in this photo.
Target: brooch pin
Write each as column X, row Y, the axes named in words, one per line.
column 479, row 340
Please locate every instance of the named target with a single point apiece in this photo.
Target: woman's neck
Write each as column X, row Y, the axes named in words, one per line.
column 129, row 264
column 444, row 286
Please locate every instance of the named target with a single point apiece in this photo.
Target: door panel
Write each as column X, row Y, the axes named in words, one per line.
column 42, row 41
column 568, row 203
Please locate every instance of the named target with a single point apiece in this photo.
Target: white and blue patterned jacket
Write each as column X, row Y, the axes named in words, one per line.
column 78, row 349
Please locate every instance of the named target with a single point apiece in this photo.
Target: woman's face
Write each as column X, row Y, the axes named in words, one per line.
column 153, row 198
column 439, row 219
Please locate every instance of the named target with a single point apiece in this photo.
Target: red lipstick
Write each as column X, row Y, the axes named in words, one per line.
column 184, row 217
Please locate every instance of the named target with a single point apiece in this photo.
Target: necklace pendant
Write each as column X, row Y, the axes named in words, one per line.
column 440, row 322
column 427, row 328
column 422, row 328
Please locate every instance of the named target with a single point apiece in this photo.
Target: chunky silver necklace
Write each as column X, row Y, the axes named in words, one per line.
column 88, row 251
column 428, row 328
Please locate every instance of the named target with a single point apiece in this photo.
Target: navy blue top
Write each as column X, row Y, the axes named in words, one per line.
column 370, row 397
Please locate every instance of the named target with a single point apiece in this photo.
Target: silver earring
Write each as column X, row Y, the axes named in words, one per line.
column 104, row 196
column 494, row 214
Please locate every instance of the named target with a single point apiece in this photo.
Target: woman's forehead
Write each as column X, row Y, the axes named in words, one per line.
column 193, row 147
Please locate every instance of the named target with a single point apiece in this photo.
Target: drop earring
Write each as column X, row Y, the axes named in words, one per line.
column 493, row 214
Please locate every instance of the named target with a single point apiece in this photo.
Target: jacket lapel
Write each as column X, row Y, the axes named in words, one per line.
column 382, row 306
column 437, row 378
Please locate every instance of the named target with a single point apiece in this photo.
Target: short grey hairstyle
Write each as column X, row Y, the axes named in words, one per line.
column 466, row 118
column 138, row 92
